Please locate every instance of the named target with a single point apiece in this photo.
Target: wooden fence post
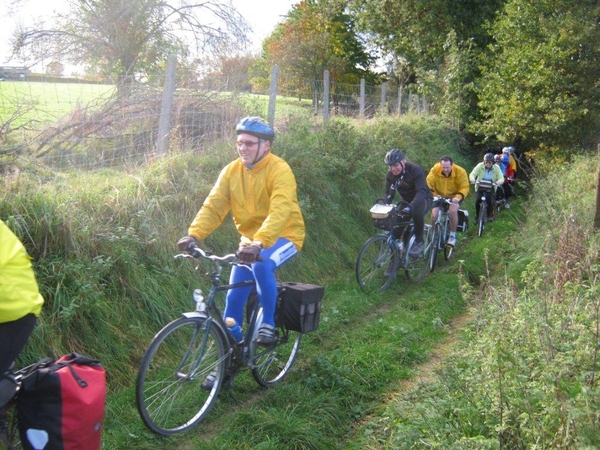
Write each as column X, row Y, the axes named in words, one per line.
column 164, row 123
column 273, row 95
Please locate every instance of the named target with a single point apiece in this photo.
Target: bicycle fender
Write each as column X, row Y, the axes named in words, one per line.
column 194, row 314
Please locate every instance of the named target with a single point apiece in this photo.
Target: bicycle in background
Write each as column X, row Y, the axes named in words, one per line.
column 171, row 391
column 441, row 231
column 482, row 217
column 385, row 253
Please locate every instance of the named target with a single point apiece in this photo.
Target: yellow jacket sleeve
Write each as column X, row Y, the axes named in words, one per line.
column 19, row 292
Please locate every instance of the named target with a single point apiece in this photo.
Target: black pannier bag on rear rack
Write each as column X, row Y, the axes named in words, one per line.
column 299, row 306
column 384, row 216
column 463, row 220
column 61, row 407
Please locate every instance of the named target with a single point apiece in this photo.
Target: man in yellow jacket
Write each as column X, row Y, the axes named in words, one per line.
column 20, row 299
column 259, row 188
column 448, row 180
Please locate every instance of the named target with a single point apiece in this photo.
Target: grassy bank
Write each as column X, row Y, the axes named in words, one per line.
column 103, row 246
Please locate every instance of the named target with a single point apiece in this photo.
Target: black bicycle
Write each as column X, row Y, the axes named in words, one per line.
column 441, row 231
column 170, row 394
column 487, row 189
column 10, row 384
column 384, row 254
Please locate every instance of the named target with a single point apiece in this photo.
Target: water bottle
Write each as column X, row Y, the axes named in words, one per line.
column 235, row 329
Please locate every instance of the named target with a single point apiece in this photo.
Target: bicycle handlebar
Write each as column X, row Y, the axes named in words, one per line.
column 438, row 198
column 196, row 252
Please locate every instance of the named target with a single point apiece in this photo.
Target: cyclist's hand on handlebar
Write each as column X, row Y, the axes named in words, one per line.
column 248, row 254
column 186, row 243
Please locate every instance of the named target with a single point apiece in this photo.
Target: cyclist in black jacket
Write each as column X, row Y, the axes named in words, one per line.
column 409, row 180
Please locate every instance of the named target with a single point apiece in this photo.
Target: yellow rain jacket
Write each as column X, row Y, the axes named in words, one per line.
column 19, row 293
column 455, row 184
column 262, row 200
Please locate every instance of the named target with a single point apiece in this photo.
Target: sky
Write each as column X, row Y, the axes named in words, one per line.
column 263, row 16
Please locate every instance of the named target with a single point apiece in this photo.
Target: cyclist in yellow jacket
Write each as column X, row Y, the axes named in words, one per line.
column 20, row 298
column 259, row 188
column 450, row 181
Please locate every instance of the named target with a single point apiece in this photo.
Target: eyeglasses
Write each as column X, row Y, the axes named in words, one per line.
column 248, row 144
column 488, row 162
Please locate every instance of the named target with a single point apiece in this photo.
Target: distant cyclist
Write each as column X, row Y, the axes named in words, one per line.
column 448, row 180
column 409, row 180
column 486, row 171
column 20, row 298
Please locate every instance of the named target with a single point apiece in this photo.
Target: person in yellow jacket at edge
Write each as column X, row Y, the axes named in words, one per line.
column 20, row 298
column 259, row 188
column 450, row 181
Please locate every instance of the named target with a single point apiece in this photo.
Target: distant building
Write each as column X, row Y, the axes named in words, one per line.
column 13, row 72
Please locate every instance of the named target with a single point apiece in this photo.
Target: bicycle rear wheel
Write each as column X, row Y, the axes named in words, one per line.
column 9, row 431
column 271, row 365
column 376, row 256
column 169, row 395
column 416, row 266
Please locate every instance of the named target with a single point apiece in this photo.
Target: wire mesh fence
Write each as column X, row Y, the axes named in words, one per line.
column 79, row 124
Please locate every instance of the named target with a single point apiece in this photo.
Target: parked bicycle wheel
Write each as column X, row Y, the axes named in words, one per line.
column 374, row 259
column 169, row 395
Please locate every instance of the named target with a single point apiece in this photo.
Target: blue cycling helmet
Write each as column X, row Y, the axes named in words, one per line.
column 256, row 126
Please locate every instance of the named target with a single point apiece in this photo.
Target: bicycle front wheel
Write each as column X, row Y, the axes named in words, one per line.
column 169, row 393
column 271, row 365
column 448, row 249
column 438, row 241
column 481, row 219
column 374, row 260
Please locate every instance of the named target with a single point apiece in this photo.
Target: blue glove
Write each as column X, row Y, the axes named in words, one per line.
column 405, row 213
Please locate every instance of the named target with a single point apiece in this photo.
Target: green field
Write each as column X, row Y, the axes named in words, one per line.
column 26, row 101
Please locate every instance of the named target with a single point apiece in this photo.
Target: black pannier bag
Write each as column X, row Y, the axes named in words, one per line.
column 463, row 220
column 299, row 306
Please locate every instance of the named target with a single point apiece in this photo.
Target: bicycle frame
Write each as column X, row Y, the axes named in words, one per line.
column 240, row 354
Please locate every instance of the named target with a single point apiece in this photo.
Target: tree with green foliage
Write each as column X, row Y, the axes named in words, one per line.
column 539, row 85
column 131, row 37
column 433, row 44
column 317, row 35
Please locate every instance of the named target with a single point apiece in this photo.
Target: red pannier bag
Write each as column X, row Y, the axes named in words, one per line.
column 61, row 407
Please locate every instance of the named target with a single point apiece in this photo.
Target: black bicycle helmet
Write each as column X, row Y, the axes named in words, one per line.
column 257, row 127
column 394, row 156
column 488, row 157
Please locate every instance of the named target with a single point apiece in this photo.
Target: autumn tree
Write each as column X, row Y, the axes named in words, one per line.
column 133, row 37
column 317, row 35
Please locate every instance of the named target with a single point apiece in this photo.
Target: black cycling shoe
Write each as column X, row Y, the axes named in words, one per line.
column 209, row 381
column 266, row 335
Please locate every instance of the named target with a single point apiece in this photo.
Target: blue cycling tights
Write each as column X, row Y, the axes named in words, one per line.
column 263, row 272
